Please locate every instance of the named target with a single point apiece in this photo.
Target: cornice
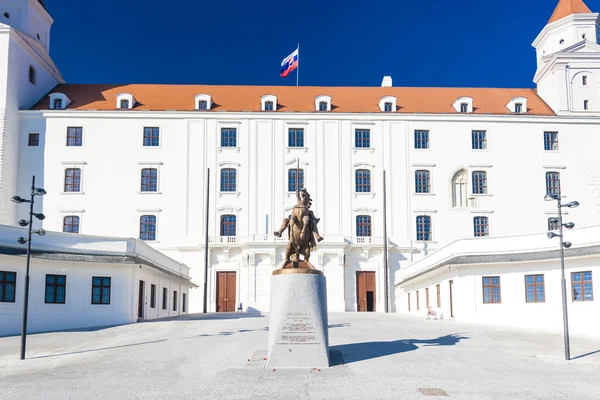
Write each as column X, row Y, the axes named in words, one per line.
column 577, row 18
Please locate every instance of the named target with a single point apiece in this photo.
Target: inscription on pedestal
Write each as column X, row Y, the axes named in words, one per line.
column 298, row 329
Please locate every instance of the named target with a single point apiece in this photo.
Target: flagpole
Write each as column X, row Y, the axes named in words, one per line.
column 298, row 67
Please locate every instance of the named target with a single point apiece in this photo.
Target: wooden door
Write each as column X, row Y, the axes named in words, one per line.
column 451, row 302
column 226, row 291
column 365, row 291
column 141, row 300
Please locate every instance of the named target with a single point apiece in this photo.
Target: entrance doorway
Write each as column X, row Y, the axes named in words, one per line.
column 365, row 292
column 141, row 301
column 226, row 291
column 451, row 302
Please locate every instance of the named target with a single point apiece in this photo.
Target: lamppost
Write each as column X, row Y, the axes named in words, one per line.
column 563, row 245
column 34, row 192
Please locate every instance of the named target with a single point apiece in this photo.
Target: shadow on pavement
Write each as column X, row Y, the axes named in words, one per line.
column 354, row 352
column 210, row 316
column 585, row 355
column 99, row 349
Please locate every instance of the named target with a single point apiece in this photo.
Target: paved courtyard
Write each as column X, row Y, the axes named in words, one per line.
column 222, row 357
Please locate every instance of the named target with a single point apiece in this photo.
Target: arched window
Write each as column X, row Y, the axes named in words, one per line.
column 149, row 180
column 228, row 225
column 202, row 105
column 148, row 227
column 363, row 181
column 422, row 181
column 553, row 183
column 268, row 106
column 459, row 189
column 481, row 226
column 294, row 174
column 228, row 180
column 32, row 75
column 71, row 224
column 363, row 225
column 73, row 180
column 480, row 185
column 423, row 228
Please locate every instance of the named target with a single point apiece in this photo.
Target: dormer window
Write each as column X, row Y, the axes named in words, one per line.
column 322, row 106
column 203, row 102
column 32, row 75
column 388, row 107
column 387, row 104
column 58, row 101
column 58, row 105
column 124, row 104
column 268, row 102
column 323, row 103
column 268, row 106
column 202, row 105
column 125, row 101
column 517, row 105
column 518, row 108
column 463, row 105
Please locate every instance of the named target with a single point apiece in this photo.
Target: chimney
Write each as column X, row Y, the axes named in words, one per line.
column 387, row 81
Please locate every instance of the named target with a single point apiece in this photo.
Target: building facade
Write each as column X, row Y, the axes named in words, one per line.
column 133, row 160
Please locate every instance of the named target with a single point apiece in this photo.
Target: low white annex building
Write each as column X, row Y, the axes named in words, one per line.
column 132, row 161
column 83, row 281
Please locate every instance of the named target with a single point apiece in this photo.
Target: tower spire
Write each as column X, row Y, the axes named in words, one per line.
column 564, row 8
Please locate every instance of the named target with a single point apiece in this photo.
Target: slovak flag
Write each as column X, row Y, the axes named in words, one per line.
column 289, row 64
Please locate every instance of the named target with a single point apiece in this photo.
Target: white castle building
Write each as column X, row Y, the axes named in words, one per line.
column 132, row 161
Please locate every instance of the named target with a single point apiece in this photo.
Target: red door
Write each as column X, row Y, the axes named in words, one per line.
column 365, row 292
column 226, row 291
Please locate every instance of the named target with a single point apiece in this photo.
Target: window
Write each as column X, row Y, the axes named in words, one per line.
column 151, row 137
column 148, row 227
column 363, row 181
column 228, row 180
column 553, row 183
column 387, row 107
column 75, row 136
column 426, row 297
column 164, row 299
column 183, row 303
column 32, row 74
column 584, row 80
column 323, row 106
column 174, row 300
column 152, row 296
column 479, row 140
column 202, row 105
column 363, row 225
column 149, row 180
column 479, row 182
column 100, row 290
column 296, row 137
column 422, row 181
column 34, row 139
column 423, row 228
column 550, row 141
column 7, row 286
column 518, row 107
column 459, row 189
column 228, row 137
column 421, row 139
column 124, row 104
column 534, row 289
column 71, row 224
column 439, row 296
column 56, row 289
column 58, row 104
column 491, row 289
column 464, row 107
column 581, row 283
column 294, row 174
column 228, row 225
column 73, row 180
column 481, row 226
column 553, row 224
column 362, row 138
column 268, row 106
column 417, row 300
column 586, row 104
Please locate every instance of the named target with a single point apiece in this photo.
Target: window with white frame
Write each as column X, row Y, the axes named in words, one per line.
column 422, row 181
column 296, row 137
column 481, row 226
column 268, row 102
column 149, row 180
column 423, row 228
column 362, row 138
column 550, row 141
column 421, row 139
column 72, row 180
column 553, row 183
column 323, row 103
column 203, row 102
column 363, row 225
column 228, row 137
column 151, row 137
column 295, row 175
column 148, row 227
column 363, row 181
column 228, row 179
column 74, row 136
column 479, row 182
column 228, row 225
column 479, row 140
column 71, row 224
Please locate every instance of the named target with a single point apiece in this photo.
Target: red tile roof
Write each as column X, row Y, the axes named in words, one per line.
column 295, row 99
column 564, row 8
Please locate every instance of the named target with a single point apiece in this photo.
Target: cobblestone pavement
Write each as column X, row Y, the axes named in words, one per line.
column 221, row 357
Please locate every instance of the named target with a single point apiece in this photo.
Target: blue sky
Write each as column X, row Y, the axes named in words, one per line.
column 472, row 43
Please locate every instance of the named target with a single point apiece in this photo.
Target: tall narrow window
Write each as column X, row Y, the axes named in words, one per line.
column 293, row 175
column 71, row 224
column 459, row 189
column 268, row 106
column 422, row 181
column 228, row 137
column 584, row 80
column 174, row 300
column 73, row 180
column 228, row 180
column 202, row 105
column 439, row 295
column 480, row 185
column 582, row 286
column 421, row 139
column 363, row 225
column 387, row 107
column 296, row 137
column 34, row 139
column 151, row 137
column 363, row 181
column 550, row 141
column 75, row 136
column 124, row 104
column 152, row 296
column 58, row 104
column 183, row 303
column 323, row 106
column 100, row 290
column 491, row 289
column 228, row 225
column 553, row 224
column 148, row 227
column 362, row 138
column 534, row 289
column 426, row 297
column 479, row 140
column 423, row 228
column 149, row 180
column 481, row 226
column 586, row 104
column 165, row 299
column 7, row 286
column 553, row 183
column 56, row 288
column 32, row 75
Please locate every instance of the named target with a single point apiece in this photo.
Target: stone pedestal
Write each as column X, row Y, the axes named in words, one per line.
column 298, row 333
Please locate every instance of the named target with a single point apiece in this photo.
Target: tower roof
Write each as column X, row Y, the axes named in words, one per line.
column 564, row 8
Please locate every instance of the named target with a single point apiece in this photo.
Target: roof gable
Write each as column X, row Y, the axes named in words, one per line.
column 564, row 8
